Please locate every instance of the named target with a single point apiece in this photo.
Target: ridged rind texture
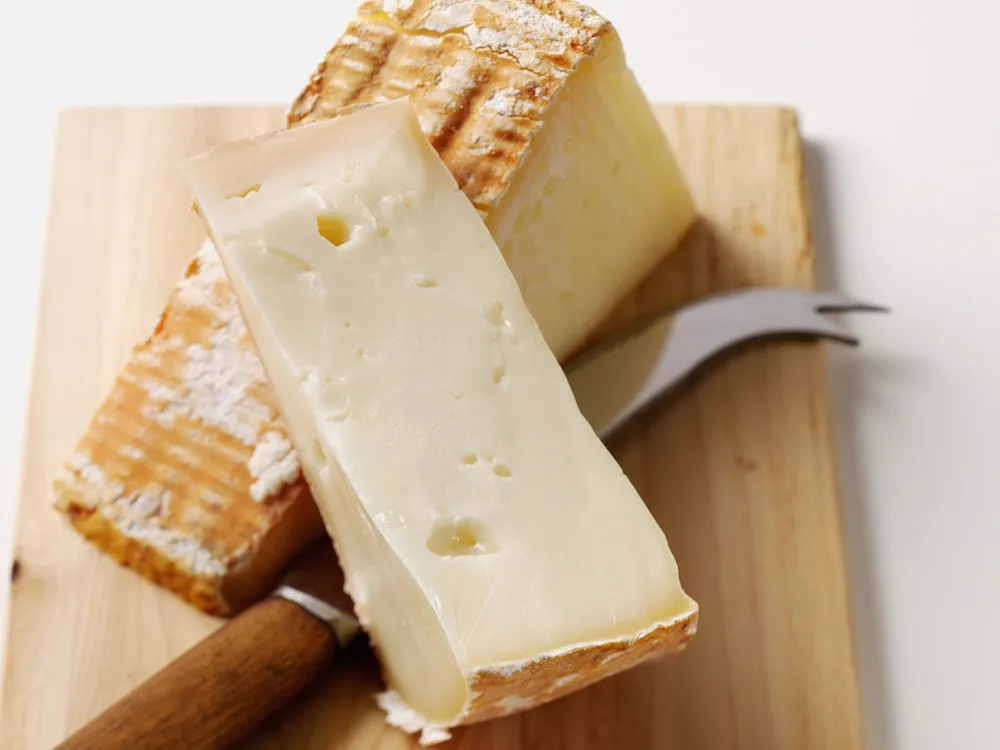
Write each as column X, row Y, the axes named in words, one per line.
column 480, row 74
column 185, row 472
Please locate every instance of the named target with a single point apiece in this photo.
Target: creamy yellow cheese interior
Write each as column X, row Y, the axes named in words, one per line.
column 598, row 201
column 481, row 522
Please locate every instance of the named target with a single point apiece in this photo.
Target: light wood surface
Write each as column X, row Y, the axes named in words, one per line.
column 738, row 469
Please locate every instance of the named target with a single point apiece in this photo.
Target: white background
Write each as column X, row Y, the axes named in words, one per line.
column 898, row 99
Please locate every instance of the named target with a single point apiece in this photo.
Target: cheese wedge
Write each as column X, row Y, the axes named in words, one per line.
column 534, row 109
column 496, row 553
column 531, row 106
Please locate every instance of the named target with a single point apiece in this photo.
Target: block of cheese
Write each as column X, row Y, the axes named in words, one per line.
column 534, row 109
column 496, row 553
column 531, row 106
column 186, row 472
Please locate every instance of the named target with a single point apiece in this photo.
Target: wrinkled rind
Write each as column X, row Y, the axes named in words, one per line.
column 160, row 481
column 508, row 689
column 480, row 89
column 551, row 677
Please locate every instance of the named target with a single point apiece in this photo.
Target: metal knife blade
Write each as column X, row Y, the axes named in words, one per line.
column 617, row 381
column 315, row 582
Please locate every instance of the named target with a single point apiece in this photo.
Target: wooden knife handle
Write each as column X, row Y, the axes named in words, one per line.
column 217, row 692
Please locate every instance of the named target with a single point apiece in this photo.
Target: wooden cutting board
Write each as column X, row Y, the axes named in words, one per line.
column 739, row 469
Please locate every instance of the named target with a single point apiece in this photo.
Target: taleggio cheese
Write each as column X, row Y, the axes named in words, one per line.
column 496, row 553
column 534, row 109
column 185, row 473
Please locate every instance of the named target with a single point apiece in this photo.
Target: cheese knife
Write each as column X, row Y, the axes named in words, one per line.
column 216, row 693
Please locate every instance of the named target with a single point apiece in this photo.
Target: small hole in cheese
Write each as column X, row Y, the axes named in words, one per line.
column 426, row 283
column 459, row 537
column 495, row 315
column 502, row 470
column 470, row 459
column 333, row 229
column 499, row 373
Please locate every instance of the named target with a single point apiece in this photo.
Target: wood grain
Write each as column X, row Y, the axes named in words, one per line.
column 739, row 468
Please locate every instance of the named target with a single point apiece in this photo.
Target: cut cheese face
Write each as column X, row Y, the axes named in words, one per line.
column 495, row 551
column 533, row 108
